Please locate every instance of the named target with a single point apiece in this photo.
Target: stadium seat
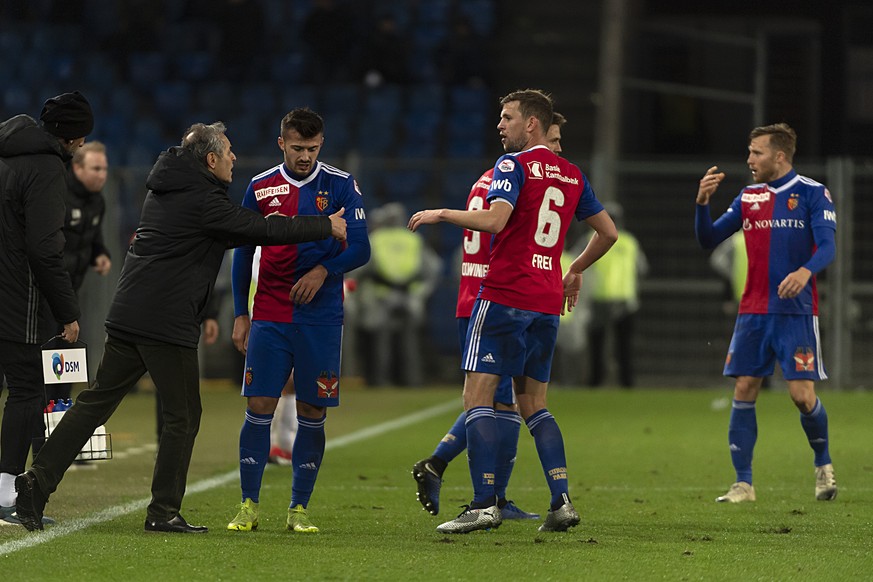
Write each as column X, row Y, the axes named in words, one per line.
column 288, row 69
column 480, row 15
column 426, row 97
column 376, row 135
column 409, row 186
column 17, row 99
column 146, row 68
column 219, row 100
column 468, row 99
column 258, row 98
column 338, row 130
column 342, row 100
column 299, row 96
column 172, row 100
column 383, row 100
column 193, row 65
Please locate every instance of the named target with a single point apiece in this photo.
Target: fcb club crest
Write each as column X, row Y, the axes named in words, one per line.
column 804, row 359
column 322, row 200
column 249, row 376
column 793, row 201
column 328, row 384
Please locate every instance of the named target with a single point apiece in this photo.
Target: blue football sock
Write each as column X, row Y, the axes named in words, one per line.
column 454, row 442
column 307, row 455
column 550, row 447
column 508, row 427
column 815, row 425
column 742, row 435
column 482, row 445
column 254, row 448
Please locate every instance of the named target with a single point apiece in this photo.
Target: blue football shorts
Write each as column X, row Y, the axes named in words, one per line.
column 504, row 393
column 760, row 340
column 312, row 351
column 510, row 342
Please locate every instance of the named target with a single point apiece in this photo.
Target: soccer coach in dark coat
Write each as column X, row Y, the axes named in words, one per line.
column 35, row 289
column 153, row 325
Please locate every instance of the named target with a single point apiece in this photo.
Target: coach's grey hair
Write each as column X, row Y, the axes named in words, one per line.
column 202, row 139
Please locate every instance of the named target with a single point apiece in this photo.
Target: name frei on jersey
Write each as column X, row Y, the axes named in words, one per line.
column 546, row 191
column 324, row 191
column 778, row 219
column 476, row 251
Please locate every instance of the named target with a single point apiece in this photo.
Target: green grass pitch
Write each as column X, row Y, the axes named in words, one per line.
column 645, row 467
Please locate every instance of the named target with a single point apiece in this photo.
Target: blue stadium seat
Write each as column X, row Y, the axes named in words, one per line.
column 465, row 147
column 31, row 69
column 12, row 46
column 383, row 100
column 376, row 135
column 246, row 135
column 98, row 71
column 409, row 186
column 469, row 99
column 258, row 98
column 146, row 68
column 193, row 66
column 299, row 96
column 338, row 130
column 480, row 15
column 341, row 100
column 219, row 100
column 288, row 69
column 426, row 97
column 172, row 100
column 17, row 99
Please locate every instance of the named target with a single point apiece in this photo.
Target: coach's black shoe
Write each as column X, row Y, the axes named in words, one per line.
column 175, row 525
column 30, row 502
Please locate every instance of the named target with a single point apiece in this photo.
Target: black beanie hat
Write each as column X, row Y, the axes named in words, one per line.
column 68, row 116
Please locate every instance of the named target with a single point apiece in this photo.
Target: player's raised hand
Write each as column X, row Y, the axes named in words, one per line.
column 338, row 224
column 709, row 184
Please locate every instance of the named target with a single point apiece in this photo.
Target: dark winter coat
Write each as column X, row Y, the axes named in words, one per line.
column 83, row 229
column 35, row 289
column 187, row 223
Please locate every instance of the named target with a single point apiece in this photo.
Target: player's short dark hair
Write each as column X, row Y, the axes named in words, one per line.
column 304, row 121
column 532, row 103
column 558, row 119
column 201, row 139
column 782, row 138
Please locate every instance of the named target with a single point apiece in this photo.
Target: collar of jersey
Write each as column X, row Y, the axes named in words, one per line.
column 286, row 173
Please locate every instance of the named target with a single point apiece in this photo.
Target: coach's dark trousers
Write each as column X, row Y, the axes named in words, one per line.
column 175, row 372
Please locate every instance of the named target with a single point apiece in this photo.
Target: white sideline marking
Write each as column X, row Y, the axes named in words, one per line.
column 74, row 525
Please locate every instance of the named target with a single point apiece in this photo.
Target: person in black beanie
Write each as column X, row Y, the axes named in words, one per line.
column 169, row 272
column 36, row 291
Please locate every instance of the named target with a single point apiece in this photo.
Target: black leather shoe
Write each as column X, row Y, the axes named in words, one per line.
column 175, row 525
column 30, row 502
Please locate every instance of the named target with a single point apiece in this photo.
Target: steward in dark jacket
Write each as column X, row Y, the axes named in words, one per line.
column 83, row 228
column 153, row 326
column 35, row 289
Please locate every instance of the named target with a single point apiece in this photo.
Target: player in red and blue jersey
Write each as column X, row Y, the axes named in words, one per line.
column 476, row 250
column 533, row 195
column 789, row 224
column 297, row 316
